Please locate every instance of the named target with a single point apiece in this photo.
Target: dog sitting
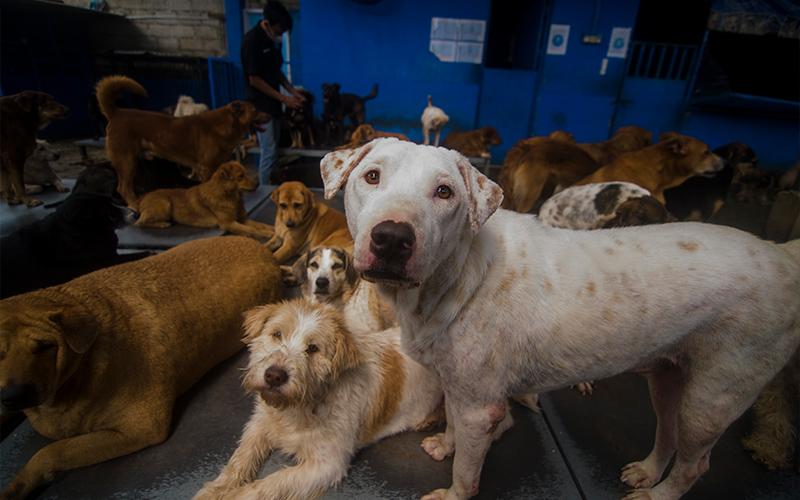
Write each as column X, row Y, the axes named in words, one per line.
column 202, row 142
column 78, row 238
column 603, row 205
column 38, row 172
column 187, row 107
column 338, row 106
column 21, row 117
column 302, row 223
column 661, row 166
column 474, row 143
column 365, row 133
column 433, row 120
column 214, row 203
column 321, row 393
column 97, row 363
column 300, row 121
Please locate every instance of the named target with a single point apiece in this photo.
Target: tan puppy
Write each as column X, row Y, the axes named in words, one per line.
column 302, row 223
column 321, row 394
column 365, row 133
column 202, row 142
column 214, row 203
column 473, row 142
column 661, row 166
column 96, row 363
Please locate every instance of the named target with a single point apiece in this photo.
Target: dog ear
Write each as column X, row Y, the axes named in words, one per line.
column 237, row 108
column 678, row 145
column 336, row 166
column 255, row 319
column 483, row 196
column 350, row 273
column 77, row 329
column 310, row 199
column 275, row 196
column 345, row 352
column 28, row 101
column 295, row 275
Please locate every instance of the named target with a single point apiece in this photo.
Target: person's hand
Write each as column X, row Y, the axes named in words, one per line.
column 292, row 101
column 298, row 94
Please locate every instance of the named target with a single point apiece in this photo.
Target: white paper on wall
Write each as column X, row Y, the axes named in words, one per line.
column 457, row 40
column 557, row 41
column 618, row 43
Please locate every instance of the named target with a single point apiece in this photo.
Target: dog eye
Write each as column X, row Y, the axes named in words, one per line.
column 337, row 266
column 444, row 192
column 314, row 265
column 372, row 177
column 312, row 348
column 283, row 205
column 276, row 335
column 298, row 205
column 43, row 346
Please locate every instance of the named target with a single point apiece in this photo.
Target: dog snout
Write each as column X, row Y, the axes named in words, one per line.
column 392, row 241
column 275, row 377
column 322, row 283
column 290, row 223
column 18, row 396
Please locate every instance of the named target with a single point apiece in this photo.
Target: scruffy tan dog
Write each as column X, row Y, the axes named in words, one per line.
column 214, row 203
column 365, row 133
column 322, row 393
column 302, row 223
column 96, row 363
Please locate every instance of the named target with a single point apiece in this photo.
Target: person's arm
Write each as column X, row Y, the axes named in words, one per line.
column 285, row 83
column 259, row 84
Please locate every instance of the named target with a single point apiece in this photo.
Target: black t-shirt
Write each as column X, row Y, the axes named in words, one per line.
column 262, row 57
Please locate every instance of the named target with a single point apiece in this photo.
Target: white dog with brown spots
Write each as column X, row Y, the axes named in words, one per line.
column 322, row 393
column 709, row 313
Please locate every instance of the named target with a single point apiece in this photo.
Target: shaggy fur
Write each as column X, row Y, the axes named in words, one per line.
column 187, row 107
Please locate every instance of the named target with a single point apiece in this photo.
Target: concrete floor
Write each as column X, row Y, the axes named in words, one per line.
column 573, row 449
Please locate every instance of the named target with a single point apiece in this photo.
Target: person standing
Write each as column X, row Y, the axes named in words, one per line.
column 262, row 61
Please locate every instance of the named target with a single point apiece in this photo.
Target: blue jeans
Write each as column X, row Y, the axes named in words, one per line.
column 268, row 142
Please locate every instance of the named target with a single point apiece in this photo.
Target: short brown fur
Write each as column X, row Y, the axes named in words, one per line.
column 474, row 143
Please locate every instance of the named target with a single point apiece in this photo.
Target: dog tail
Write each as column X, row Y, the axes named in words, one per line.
column 372, row 93
column 430, row 100
column 109, row 88
column 792, row 248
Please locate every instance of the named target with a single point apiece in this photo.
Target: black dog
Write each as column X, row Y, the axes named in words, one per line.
column 300, row 122
column 337, row 107
column 78, row 238
column 701, row 197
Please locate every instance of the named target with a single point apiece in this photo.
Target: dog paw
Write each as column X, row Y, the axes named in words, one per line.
column 585, row 388
column 638, row 475
column 32, row 202
column 439, row 494
column 437, row 447
column 529, row 401
column 640, row 494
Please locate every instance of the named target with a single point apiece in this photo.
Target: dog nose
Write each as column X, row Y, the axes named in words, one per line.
column 323, row 282
column 290, row 223
column 275, row 377
column 18, row 396
column 392, row 240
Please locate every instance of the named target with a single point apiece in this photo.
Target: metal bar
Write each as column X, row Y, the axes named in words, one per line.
column 649, row 63
column 673, row 57
column 661, row 50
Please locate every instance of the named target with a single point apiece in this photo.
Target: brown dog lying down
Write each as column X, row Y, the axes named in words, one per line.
column 301, row 223
column 661, row 166
column 202, row 142
column 21, row 117
column 535, row 167
column 96, row 363
column 214, row 203
column 624, row 140
column 365, row 133
column 474, row 142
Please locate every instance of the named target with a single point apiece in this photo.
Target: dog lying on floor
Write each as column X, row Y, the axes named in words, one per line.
column 575, row 305
column 433, row 120
column 365, row 133
column 187, row 107
column 78, row 238
column 21, row 117
column 38, row 172
column 660, row 166
column 603, row 205
column 302, row 223
column 214, row 203
column 321, row 394
column 474, row 143
column 96, row 363
column 624, row 140
column 202, row 142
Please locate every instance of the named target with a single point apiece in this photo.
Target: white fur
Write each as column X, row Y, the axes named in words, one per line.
column 709, row 312
column 433, row 120
column 574, row 207
column 187, row 107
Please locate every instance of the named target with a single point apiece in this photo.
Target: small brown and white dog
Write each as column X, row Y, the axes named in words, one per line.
column 321, row 394
column 187, row 107
column 38, row 173
column 433, row 120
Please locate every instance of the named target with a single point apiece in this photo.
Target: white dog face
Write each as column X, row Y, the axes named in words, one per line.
column 297, row 349
column 329, row 271
column 405, row 203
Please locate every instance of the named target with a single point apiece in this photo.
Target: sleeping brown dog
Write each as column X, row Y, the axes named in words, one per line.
column 535, row 167
column 201, row 142
column 97, row 363
column 365, row 133
column 21, row 117
column 661, row 166
column 214, row 203
column 624, row 140
column 301, row 223
column 474, row 142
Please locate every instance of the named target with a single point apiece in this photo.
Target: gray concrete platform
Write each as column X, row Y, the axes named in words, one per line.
column 13, row 217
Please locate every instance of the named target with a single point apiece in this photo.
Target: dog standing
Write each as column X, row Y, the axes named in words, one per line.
column 709, row 313
column 302, row 223
column 338, row 106
column 187, row 107
column 321, row 394
column 300, row 121
column 97, row 363
column 21, row 117
column 202, row 142
column 474, row 142
column 214, row 203
column 433, row 120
